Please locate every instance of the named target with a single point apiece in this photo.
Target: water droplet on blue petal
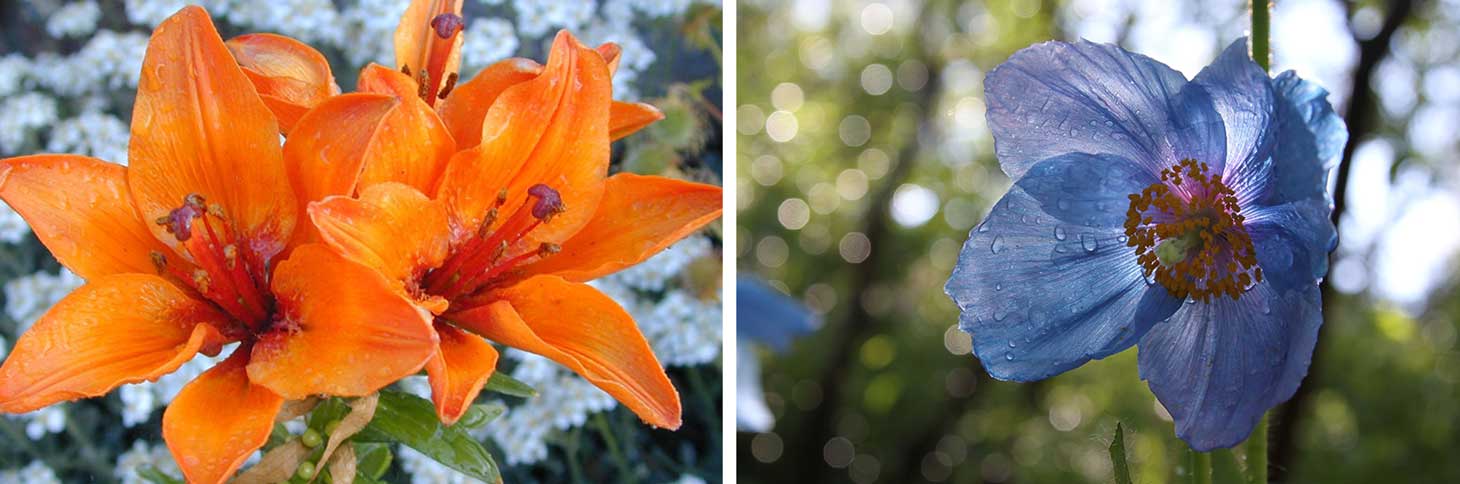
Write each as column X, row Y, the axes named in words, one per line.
column 1059, row 233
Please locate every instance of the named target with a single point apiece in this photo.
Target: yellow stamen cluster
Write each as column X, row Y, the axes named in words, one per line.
column 1193, row 242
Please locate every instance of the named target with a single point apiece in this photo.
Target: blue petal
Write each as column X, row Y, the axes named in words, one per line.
column 766, row 316
column 1046, row 282
column 1218, row 366
column 1242, row 95
column 751, row 412
column 1293, row 241
column 1308, row 139
column 1055, row 98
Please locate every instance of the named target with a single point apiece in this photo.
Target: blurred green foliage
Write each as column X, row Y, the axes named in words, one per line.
column 863, row 161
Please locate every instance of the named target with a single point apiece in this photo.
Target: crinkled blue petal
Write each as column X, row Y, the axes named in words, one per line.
column 1292, row 241
column 764, row 315
column 1054, row 98
column 1217, row 367
column 1046, row 281
column 1243, row 96
column 1196, row 130
column 1308, row 139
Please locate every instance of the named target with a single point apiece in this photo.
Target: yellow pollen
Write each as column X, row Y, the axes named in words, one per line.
column 1193, row 242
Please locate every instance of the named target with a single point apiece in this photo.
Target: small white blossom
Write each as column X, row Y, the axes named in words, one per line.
column 92, row 134
column 138, row 402
column 142, row 456
column 34, row 473
column 563, row 401
column 687, row 479
column 21, row 116
column 74, row 19
column 28, row 297
column 487, row 40
column 149, row 13
column 47, row 420
column 13, row 229
column 13, row 68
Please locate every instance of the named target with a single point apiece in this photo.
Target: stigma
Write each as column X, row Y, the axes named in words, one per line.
column 495, row 250
column 1188, row 235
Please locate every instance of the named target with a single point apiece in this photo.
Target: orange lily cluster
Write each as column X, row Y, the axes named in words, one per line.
column 398, row 228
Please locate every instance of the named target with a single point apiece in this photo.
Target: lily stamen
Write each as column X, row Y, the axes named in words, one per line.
column 218, row 276
column 484, row 258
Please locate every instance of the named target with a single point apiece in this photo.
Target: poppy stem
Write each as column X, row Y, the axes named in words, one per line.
column 1261, row 20
column 1201, row 466
column 1257, row 453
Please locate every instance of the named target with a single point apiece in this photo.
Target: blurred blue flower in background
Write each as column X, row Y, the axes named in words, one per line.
column 768, row 317
column 1189, row 217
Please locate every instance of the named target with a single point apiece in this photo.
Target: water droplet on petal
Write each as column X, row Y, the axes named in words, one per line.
column 1059, row 233
column 1009, row 356
column 997, row 245
column 1088, row 242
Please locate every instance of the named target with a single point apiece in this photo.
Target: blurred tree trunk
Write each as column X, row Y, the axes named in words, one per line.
column 1361, row 118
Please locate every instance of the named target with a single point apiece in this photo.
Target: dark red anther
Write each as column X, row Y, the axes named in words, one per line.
column 447, row 25
column 548, row 204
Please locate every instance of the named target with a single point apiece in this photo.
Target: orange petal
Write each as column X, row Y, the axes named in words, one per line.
column 391, row 227
column 582, row 329
column 120, row 328
column 458, row 371
column 466, row 107
column 551, row 130
column 640, row 216
column 326, row 152
column 218, row 420
column 410, row 146
column 379, row 79
column 343, row 330
column 199, row 127
column 611, row 54
column 627, row 118
column 419, row 46
column 290, row 75
column 81, row 210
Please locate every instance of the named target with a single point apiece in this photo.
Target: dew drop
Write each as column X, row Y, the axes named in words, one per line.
column 997, row 245
column 1008, row 356
column 1059, row 233
column 998, row 287
column 1012, row 344
column 1088, row 242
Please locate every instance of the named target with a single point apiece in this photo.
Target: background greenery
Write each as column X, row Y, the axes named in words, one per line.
column 864, row 160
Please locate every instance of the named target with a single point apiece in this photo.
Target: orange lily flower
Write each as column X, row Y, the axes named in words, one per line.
column 294, row 78
column 192, row 247
column 497, row 206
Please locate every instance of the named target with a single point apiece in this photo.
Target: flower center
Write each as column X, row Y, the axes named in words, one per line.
column 484, row 259
column 234, row 281
column 1188, row 234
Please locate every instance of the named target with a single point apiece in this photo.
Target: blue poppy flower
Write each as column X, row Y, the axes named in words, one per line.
column 763, row 316
column 1190, row 218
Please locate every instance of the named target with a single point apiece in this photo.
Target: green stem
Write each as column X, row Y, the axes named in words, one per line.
column 613, row 448
column 1261, row 21
column 1257, row 453
column 1201, row 467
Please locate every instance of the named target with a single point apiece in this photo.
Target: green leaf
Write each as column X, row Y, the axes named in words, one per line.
column 411, row 420
column 373, row 460
column 479, row 414
column 506, row 385
column 331, row 410
column 154, row 476
column 1117, row 457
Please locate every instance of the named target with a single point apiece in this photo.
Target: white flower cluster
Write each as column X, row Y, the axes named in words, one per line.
column 564, row 400
column 29, row 297
column 109, row 62
column 12, row 228
column 94, row 134
column 487, row 40
column 21, row 116
column 74, row 19
column 48, row 420
column 34, row 473
column 141, row 456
